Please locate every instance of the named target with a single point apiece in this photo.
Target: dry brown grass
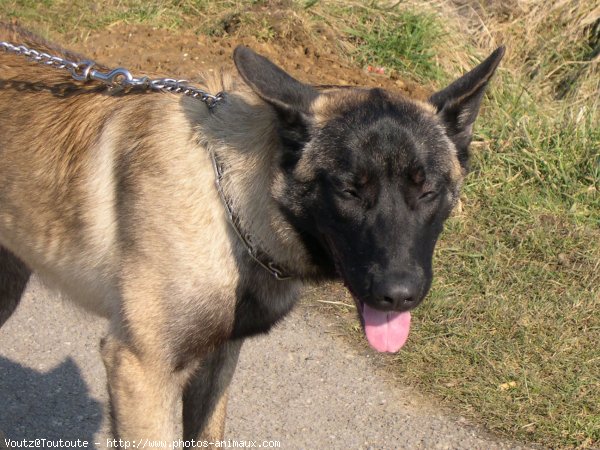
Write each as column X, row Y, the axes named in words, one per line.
column 554, row 42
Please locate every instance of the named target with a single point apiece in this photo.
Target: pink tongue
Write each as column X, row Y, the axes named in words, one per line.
column 386, row 331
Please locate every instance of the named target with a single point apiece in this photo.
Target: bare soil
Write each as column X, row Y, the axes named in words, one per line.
column 186, row 54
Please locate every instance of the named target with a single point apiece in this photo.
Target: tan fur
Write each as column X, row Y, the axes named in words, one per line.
column 145, row 397
column 215, row 428
column 333, row 101
column 88, row 184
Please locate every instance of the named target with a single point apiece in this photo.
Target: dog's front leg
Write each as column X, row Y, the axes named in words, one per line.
column 205, row 395
column 145, row 396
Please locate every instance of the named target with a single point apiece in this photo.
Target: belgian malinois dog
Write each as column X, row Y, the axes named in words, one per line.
column 112, row 198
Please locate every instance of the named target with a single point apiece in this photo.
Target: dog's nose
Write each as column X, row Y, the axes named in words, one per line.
column 398, row 293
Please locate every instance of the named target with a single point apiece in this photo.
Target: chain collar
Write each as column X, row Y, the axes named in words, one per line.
column 120, row 77
column 255, row 253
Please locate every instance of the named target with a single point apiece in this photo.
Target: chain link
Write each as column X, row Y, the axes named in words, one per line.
column 84, row 71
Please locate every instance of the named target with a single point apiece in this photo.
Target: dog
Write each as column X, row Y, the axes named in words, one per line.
column 111, row 197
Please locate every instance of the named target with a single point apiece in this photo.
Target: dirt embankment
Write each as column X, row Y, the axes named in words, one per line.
column 185, row 54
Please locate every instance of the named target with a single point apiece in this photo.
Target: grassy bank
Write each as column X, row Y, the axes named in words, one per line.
column 510, row 333
column 511, row 330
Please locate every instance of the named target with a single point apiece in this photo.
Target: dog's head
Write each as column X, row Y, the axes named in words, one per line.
column 368, row 178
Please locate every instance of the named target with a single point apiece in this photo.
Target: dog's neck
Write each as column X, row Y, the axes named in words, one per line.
column 235, row 220
column 241, row 132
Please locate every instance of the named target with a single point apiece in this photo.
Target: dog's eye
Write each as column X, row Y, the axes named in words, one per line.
column 429, row 195
column 345, row 189
column 352, row 193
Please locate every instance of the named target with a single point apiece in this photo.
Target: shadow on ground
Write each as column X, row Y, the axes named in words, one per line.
column 45, row 402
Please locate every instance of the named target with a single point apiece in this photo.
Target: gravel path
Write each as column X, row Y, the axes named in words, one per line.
column 301, row 386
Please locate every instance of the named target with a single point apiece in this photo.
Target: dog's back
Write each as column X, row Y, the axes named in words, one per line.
column 84, row 174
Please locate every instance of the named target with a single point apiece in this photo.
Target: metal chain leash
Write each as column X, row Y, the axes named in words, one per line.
column 119, row 77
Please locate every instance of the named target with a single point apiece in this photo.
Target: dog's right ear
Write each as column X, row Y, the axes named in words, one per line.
column 272, row 84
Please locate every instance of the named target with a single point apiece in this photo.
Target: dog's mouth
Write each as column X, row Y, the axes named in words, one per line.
column 386, row 331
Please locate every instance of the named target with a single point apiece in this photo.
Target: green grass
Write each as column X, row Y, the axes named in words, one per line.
column 548, row 150
column 402, row 40
column 63, row 16
column 405, row 42
column 528, row 250
column 510, row 332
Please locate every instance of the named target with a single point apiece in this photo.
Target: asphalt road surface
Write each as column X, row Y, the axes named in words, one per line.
column 301, row 386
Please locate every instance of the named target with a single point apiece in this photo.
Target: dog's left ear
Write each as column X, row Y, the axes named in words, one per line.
column 272, row 84
column 458, row 104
